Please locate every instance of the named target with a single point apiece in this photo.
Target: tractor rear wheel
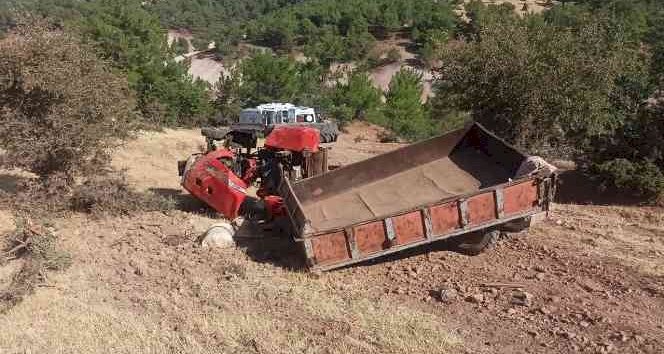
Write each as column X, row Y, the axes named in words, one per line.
column 328, row 132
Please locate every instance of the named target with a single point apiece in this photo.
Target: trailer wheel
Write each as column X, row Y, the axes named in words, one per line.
column 476, row 242
column 517, row 225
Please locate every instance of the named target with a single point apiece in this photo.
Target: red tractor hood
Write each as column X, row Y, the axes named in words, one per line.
column 293, row 138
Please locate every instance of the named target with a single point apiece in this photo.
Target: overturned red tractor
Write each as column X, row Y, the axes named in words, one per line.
column 222, row 176
column 467, row 187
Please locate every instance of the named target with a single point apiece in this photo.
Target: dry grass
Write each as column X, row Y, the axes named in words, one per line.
column 151, row 159
column 631, row 235
column 134, row 289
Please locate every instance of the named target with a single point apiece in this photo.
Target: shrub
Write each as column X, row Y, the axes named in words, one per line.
column 61, row 109
column 393, row 55
column 539, row 85
column 639, row 177
column 180, row 46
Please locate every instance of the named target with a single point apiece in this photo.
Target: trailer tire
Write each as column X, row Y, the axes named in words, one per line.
column 517, row 225
column 476, row 242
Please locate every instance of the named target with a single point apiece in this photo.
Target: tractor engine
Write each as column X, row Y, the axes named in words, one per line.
column 222, row 176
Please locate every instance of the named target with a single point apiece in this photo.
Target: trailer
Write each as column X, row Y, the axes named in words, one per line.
column 467, row 185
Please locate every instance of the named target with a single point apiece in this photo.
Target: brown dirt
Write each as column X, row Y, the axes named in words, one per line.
column 359, row 141
column 594, row 277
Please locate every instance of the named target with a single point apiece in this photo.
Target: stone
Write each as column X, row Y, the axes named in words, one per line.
column 475, row 298
column 448, row 295
column 218, row 235
column 568, row 334
column 521, row 298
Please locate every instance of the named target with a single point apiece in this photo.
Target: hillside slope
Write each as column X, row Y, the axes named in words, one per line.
column 594, row 278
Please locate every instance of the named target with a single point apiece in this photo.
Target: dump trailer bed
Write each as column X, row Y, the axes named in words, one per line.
column 447, row 186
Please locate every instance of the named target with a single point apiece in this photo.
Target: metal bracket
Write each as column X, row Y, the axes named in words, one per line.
column 500, row 203
column 463, row 213
column 352, row 243
column 428, row 225
column 541, row 192
column 309, row 252
column 389, row 230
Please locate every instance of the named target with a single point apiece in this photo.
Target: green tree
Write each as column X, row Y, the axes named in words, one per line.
column 228, row 100
column 356, row 98
column 180, row 46
column 538, row 85
column 133, row 40
column 404, row 113
column 266, row 78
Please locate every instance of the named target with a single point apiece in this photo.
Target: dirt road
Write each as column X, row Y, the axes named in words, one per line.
column 591, row 279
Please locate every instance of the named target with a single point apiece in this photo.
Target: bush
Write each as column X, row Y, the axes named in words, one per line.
column 180, row 46
column 393, row 55
column 538, row 85
column 61, row 109
column 642, row 178
column 632, row 157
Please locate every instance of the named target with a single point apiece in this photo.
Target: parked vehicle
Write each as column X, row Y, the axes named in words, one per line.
column 263, row 118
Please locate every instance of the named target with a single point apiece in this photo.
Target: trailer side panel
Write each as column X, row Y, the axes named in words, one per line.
column 392, row 234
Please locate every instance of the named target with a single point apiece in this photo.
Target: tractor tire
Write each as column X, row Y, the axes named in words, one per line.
column 328, row 132
column 477, row 242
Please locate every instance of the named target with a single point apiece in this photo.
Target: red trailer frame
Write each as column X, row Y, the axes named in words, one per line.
column 527, row 198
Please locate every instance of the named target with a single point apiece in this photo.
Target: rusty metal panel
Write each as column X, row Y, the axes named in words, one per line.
column 330, row 248
column 370, row 237
column 520, row 197
column 481, row 208
column 444, row 218
column 408, row 227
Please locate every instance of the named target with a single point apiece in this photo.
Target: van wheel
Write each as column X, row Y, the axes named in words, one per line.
column 477, row 242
